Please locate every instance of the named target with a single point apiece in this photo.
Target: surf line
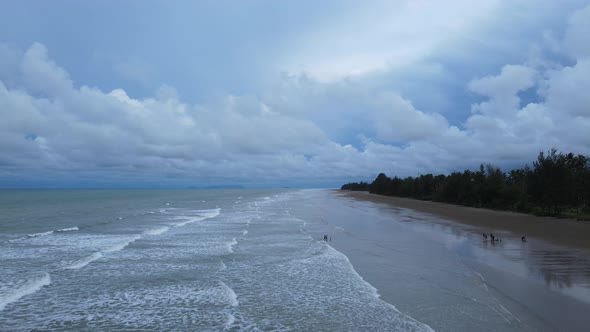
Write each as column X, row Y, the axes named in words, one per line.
column 231, row 244
column 231, row 296
column 372, row 290
column 80, row 263
column 29, row 287
column 42, row 234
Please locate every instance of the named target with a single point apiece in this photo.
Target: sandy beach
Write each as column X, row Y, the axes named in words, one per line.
column 429, row 260
column 565, row 232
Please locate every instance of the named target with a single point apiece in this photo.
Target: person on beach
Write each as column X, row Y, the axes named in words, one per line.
column 485, row 237
column 523, row 239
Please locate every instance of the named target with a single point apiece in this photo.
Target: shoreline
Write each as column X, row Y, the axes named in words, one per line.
column 565, row 232
column 428, row 260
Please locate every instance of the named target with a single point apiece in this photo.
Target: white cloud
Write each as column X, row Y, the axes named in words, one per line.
column 382, row 36
column 567, row 89
column 41, row 74
column 303, row 128
column 503, row 89
column 576, row 37
column 399, row 121
column 73, row 128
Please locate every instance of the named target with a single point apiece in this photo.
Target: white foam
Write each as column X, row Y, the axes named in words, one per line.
column 483, row 281
column 231, row 295
column 339, row 228
column 40, row 234
column 26, row 288
column 230, row 245
column 71, row 229
column 244, row 232
column 210, row 213
column 230, row 321
column 167, row 203
column 508, row 312
column 372, row 289
column 120, row 218
column 223, row 266
column 200, row 215
column 505, row 313
column 156, row 231
column 500, row 314
column 84, row 261
column 121, row 245
column 33, row 235
column 187, row 220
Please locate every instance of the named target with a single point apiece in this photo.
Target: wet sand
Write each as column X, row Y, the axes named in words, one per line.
column 429, row 260
column 564, row 232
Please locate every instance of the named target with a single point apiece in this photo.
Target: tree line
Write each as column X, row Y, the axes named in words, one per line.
column 557, row 184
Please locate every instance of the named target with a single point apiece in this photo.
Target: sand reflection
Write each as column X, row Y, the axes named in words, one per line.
column 558, row 268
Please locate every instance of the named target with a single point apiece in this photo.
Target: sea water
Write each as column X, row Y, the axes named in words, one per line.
column 199, row 260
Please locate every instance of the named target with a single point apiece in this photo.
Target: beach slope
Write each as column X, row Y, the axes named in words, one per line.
column 566, row 232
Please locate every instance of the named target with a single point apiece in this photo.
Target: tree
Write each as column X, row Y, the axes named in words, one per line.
column 556, row 182
column 380, row 185
column 551, row 179
column 356, row 186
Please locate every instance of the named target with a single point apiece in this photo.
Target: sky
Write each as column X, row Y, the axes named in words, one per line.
column 285, row 93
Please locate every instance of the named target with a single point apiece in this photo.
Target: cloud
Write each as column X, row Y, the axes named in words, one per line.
column 50, row 124
column 357, row 40
column 42, row 75
column 576, row 36
column 503, row 89
column 430, row 116
column 566, row 89
column 399, row 121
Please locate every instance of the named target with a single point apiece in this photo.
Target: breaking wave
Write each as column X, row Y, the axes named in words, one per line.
column 28, row 287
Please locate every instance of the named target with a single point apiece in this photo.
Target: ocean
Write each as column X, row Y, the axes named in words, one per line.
column 255, row 260
column 194, row 260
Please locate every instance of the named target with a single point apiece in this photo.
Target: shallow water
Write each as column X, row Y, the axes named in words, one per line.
column 445, row 275
column 234, row 260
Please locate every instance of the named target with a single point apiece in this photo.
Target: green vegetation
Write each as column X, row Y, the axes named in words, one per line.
column 557, row 185
column 356, row 186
